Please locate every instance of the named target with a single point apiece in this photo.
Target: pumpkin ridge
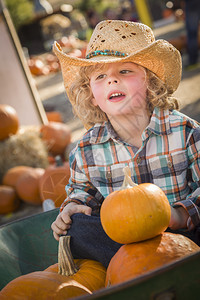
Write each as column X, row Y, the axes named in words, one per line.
column 48, row 284
column 136, row 259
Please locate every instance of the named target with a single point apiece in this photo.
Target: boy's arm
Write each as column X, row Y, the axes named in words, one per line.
column 80, row 190
column 83, row 197
column 191, row 204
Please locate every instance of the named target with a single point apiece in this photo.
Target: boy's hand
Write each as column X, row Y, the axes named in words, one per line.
column 63, row 220
column 179, row 218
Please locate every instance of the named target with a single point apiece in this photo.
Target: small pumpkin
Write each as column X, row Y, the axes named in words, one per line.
column 37, row 67
column 11, row 176
column 65, row 280
column 133, row 260
column 54, row 116
column 9, row 122
column 52, row 183
column 9, row 202
column 135, row 212
column 27, row 186
column 57, row 136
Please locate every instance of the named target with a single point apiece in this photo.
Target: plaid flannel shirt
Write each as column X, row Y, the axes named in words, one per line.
column 169, row 157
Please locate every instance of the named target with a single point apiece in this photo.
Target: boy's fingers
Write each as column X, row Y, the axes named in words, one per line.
column 84, row 209
column 63, row 219
column 56, row 229
column 56, row 236
column 88, row 211
column 59, row 224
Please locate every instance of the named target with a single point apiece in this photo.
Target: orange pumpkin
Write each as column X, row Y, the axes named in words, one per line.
column 133, row 260
column 75, row 278
column 57, row 136
column 54, row 116
column 37, row 67
column 135, row 212
column 9, row 202
column 52, row 183
column 27, row 185
column 9, row 123
column 11, row 176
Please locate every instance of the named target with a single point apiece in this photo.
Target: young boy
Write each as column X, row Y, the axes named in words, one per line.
column 122, row 92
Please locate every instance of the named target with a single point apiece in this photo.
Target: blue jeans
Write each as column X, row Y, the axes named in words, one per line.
column 89, row 240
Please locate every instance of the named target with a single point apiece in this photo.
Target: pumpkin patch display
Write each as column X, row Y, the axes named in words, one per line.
column 37, row 67
column 133, row 260
column 9, row 202
column 25, row 148
column 135, row 212
column 11, row 176
column 9, row 123
column 52, row 183
column 57, row 137
column 27, row 186
column 65, row 280
column 54, row 116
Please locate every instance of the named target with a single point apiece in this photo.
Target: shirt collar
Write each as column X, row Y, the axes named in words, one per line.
column 102, row 132
column 159, row 125
column 160, row 122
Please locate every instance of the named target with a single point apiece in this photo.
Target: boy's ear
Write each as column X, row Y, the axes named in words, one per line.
column 94, row 102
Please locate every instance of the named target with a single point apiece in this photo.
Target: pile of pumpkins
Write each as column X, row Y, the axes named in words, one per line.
column 40, row 66
column 34, row 184
column 137, row 216
column 48, row 63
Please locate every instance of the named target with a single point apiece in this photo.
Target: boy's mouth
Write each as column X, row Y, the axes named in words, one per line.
column 116, row 96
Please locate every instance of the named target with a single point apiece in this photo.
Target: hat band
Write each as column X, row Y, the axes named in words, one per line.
column 106, row 52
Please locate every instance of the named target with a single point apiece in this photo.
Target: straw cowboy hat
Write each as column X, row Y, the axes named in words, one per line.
column 119, row 41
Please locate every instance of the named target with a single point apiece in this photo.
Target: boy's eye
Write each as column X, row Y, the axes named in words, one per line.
column 100, row 76
column 125, row 71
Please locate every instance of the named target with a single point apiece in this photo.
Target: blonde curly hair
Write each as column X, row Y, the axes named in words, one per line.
column 81, row 96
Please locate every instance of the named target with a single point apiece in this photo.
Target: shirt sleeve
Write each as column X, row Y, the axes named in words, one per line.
column 192, row 202
column 79, row 189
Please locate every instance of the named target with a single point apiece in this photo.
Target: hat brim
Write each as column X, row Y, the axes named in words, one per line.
column 160, row 57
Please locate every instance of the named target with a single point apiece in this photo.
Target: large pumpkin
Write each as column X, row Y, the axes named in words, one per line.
column 9, row 202
column 27, row 185
column 135, row 259
column 9, row 122
column 77, row 277
column 11, row 176
column 135, row 212
column 52, row 183
column 57, row 136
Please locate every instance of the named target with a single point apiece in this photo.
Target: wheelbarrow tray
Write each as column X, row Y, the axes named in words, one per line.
column 28, row 245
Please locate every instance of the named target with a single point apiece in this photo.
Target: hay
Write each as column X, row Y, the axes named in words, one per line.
column 24, row 148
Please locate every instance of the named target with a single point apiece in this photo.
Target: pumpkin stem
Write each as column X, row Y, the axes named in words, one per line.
column 128, row 182
column 59, row 161
column 66, row 264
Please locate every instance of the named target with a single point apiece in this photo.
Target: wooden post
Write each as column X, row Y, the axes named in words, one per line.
column 143, row 12
column 17, row 85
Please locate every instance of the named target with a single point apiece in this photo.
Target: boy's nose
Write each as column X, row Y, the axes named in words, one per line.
column 112, row 81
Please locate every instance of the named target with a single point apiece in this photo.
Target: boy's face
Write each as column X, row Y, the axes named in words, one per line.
column 119, row 88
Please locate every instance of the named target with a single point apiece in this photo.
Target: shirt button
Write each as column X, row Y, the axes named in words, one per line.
column 109, row 174
column 169, row 164
column 139, row 160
